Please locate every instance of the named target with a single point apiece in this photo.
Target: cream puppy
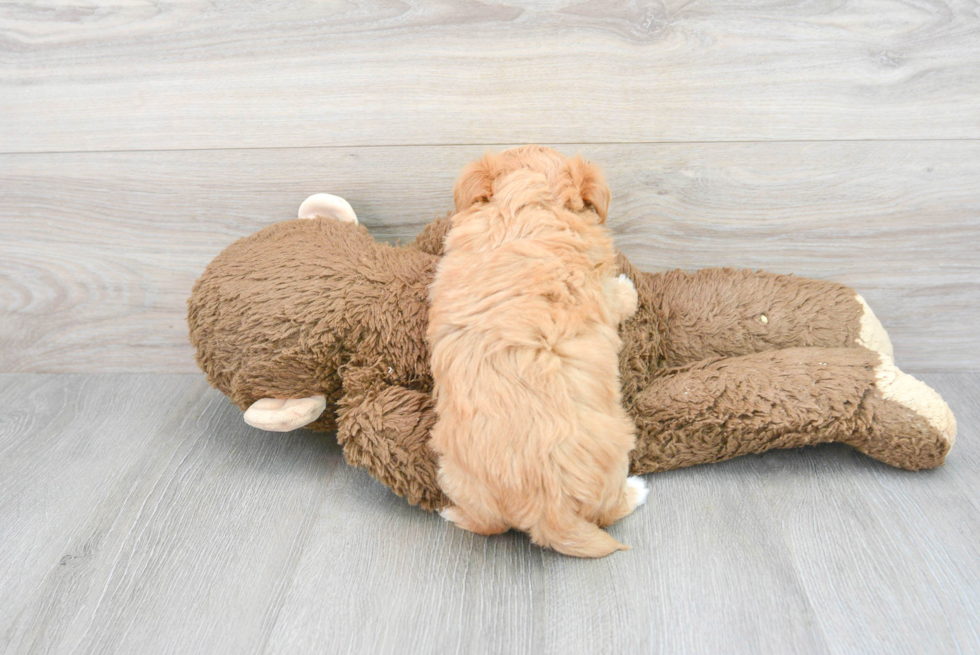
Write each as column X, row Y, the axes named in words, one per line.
column 523, row 333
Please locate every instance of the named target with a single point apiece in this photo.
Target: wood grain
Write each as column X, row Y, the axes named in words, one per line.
column 197, row 535
column 134, row 76
column 856, row 527
column 100, row 249
column 703, row 545
column 169, row 526
column 65, row 442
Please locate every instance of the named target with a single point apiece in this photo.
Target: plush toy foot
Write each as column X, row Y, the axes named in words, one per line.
column 873, row 335
column 278, row 415
column 917, row 396
column 324, row 205
column 910, row 426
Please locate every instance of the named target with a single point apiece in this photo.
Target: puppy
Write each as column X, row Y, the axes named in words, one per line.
column 525, row 304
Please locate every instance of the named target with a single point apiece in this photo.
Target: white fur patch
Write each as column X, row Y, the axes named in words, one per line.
column 873, row 335
column 639, row 489
column 621, row 295
column 284, row 415
column 917, row 396
column 327, row 206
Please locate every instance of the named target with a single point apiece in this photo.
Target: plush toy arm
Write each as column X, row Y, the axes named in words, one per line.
column 721, row 408
column 385, row 429
column 285, row 414
column 723, row 312
column 432, row 238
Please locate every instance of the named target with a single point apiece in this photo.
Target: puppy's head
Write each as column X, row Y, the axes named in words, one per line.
column 574, row 183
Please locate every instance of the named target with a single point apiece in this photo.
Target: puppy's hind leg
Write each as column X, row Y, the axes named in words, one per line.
column 633, row 494
column 469, row 521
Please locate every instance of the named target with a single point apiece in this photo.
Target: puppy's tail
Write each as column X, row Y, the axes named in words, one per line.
column 570, row 534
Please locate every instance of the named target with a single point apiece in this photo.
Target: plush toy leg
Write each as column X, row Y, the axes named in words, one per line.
column 385, row 429
column 924, row 408
column 721, row 408
column 284, row 415
column 431, row 239
column 719, row 312
column 327, row 206
column 872, row 335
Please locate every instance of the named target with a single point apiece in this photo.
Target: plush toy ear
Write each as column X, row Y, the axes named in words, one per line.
column 475, row 183
column 587, row 179
column 327, row 206
column 282, row 415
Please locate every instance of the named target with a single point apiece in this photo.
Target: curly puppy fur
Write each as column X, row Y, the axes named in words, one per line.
column 531, row 431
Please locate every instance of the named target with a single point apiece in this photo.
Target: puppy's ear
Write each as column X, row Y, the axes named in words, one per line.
column 475, row 183
column 588, row 181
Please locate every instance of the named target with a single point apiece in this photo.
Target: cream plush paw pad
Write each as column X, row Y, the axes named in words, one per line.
column 278, row 415
column 917, row 396
column 327, row 206
column 873, row 335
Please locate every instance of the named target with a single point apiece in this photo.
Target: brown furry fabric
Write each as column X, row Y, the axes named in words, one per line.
column 318, row 307
column 281, row 312
column 721, row 408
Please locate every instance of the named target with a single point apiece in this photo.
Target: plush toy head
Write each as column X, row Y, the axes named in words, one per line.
column 278, row 316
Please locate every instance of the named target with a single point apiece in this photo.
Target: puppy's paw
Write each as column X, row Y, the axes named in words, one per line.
column 623, row 298
column 636, row 491
column 455, row 514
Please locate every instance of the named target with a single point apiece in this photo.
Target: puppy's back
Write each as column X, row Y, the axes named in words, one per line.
column 526, row 366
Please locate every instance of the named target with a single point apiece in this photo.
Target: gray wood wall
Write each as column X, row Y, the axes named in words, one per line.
column 835, row 140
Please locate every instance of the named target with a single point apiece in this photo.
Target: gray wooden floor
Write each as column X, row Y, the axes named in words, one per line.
column 138, row 514
column 141, row 515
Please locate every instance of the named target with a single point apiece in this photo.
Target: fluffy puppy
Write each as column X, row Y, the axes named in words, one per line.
column 525, row 304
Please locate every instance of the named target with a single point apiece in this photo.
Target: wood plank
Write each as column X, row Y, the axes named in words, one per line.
column 192, row 548
column 65, row 442
column 814, row 550
column 175, row 528
column 100, row 250
column 708, row 571
column 701, row 550
column 131, row 76
column 378, row 576
column 889, row 558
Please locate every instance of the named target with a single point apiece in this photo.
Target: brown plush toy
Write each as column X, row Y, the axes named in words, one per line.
column 313, row 323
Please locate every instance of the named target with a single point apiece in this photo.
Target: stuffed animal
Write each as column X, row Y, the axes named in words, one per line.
column 313, row 323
